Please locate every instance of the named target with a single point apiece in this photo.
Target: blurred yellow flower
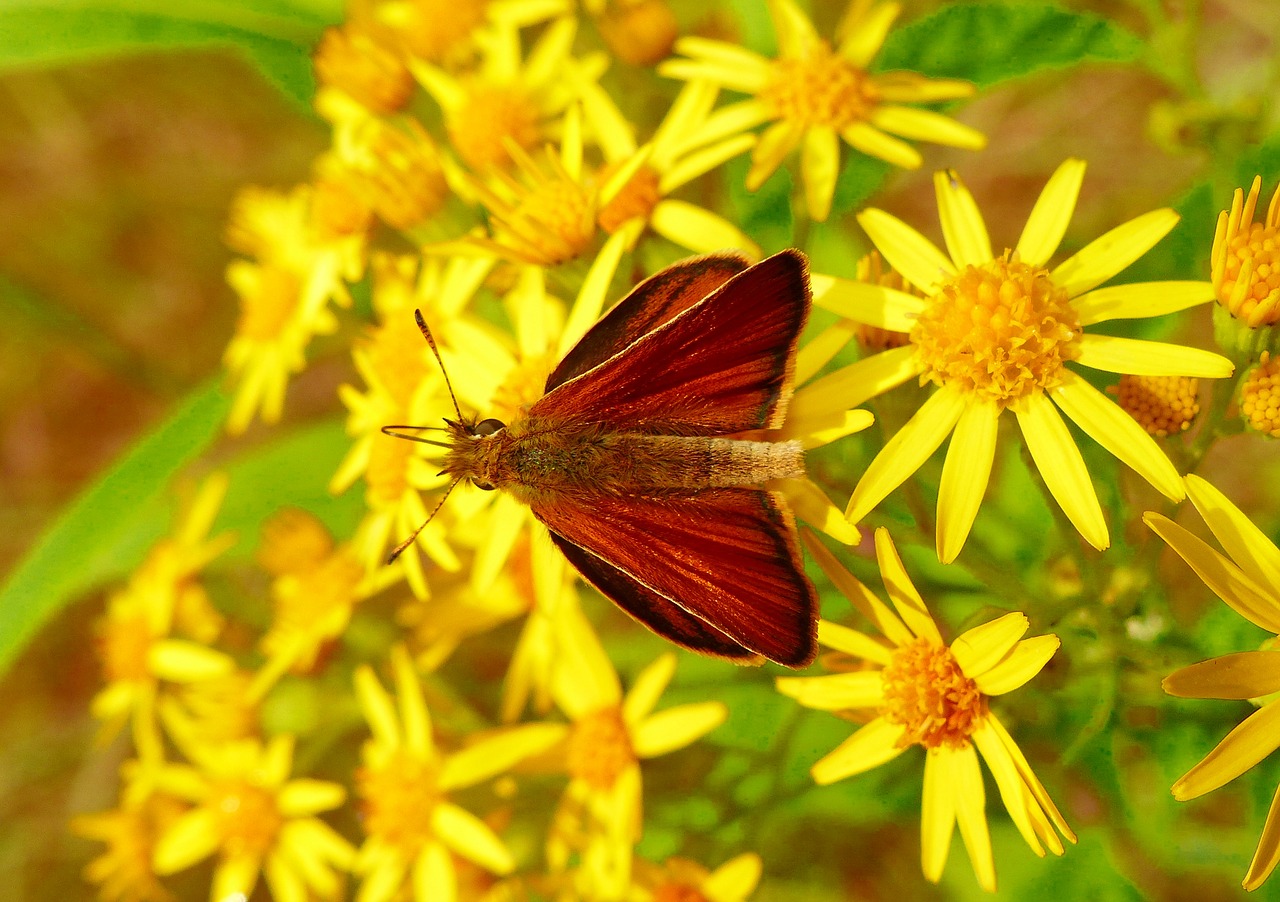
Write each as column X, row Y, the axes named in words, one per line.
column 255, row 820
column 1247, row 578
column 994, row 332
column 816, row 96
column 917, row 690
column 1246, row 259
column 403, row 784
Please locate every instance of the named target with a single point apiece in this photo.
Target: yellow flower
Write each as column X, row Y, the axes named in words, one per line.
column 1246, row 259
column 136, row 640
column 403, row 784
column 255, row 819
column 1259, row 394
column 1247, row 578
column 355, row 65
column 1163, row 405
column 609, row 735
column 639, row 32
column 917, row 690
column 815, row 97
column 994, row 332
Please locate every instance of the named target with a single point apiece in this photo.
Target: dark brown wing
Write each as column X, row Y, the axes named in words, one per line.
column 726, row 557
column 650, row 304
column 720, row 366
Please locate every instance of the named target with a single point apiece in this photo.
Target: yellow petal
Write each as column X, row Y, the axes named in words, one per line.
column 1251, row 741
column 1017, row 800
column 903, row 454
column 1247, row 545
column 699, row 230
column 302, row 797
column 591, row 296
column 1150, row 358
column 926, row 125
column 859, row 644
column 862, row 34
column 471, row 838
column 875, row 305
column 193, row 837
column 979, row 649
column 1114, row 429
column 1062, row 468
column 965, row 474
column 816, row 431
column 811, row 504
column 1267, row 855
column 737, row 878
column 937, row 813
column 648, row 688
column 796, row 36
column 819, row 165
column 582, row 679
column 1027, row 660
column 498, row 753
column 433, row 874
column 674, row 728
column 1245, row 674
column 866, row 138
column 1140, row 300
column 962, row 225
column 414, row 718
column 777, row 141
column 1223, row 578
column 1029, row 778
column 836, row 692
column 378, row 708
column 914, row 256
column 187, row 662
column 906, row 600
column 746, row 68
column 871, row 746
column 728, row 122
column 971, row 815
column 854, row 384
column 1108, row 254
column 1052, row 213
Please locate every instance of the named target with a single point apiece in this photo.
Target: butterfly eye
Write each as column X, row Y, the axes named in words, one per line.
column 489, row 427
column 483, row 486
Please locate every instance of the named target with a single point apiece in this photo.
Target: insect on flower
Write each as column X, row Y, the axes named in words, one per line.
column 635, row 459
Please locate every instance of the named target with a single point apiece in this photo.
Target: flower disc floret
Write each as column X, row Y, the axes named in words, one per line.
column 820, row 88
column 600, row 749
column 1001, row 329
column 928, row 694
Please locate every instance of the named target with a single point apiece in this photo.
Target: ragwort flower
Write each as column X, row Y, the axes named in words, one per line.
column 918, row 690
column 815, row 96
column 995, row 332
column 1247, row 578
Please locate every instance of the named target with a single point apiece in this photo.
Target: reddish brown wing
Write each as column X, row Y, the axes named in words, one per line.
column 719, row 367
column 653, row 302
column 728, row 557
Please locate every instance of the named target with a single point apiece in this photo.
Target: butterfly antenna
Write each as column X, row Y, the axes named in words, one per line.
column 399, row 549
column 389, row 430
column 426, row 333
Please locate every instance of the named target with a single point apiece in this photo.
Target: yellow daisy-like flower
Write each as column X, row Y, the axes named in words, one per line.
column 609, row 735
column 1246, row 259
column 1247, row 578
column 918, row 690
column 994, row 332
column 815, row 96
column 403, row 784
column 255, row 820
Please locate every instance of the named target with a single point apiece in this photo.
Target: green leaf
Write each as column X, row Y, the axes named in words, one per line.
column 276, row 35
column 105, row 533
column 988, row 43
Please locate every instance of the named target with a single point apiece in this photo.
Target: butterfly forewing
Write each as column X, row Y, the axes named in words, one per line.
column 653, row 302
column 721, row 366
column 727, row 556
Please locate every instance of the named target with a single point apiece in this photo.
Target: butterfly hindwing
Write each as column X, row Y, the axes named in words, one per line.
column 720, row 366
column 728, row 557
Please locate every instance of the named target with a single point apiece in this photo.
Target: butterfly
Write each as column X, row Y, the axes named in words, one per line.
column 638, row 462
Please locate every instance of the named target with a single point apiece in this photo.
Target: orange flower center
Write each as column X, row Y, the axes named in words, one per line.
column 1001, row 330
column 1260, row 396
column 356, row 63
column 928, row 694
column 337, row 211
column 402, row 178
column 551, row 222
column 490, row 116
column 820, row 88
column 293, row 541
column 434, row 29
column 639, row 32
column 248, row 818
column 123, row 644
column 399, row 798
column 1163, row 405
column 637, row 198
column 600, row 749
column 1248, row 283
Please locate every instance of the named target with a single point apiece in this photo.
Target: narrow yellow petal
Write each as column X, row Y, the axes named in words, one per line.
column 819, row 166
column 811, row 504
column 698, row 229
column 433, row 874
column 902, row 592
column 871, row 746
column 979, row 649
column 471, row 838
column 1052, row 213
column 962, row 225
column 182, row 661
column 971, row 815
column 648, row 688
column 1267, row 855
column 1111, row 253
column 965, row 474
column 700, row 162
column 414, row 718
column 856, row 643
column 498, row 753
column 732, row 56
column 591, row 296
column 1017, row 800
column 688, row 111
column 903, row 454
column 674, row 728
column 1111, row 427
column 854, row 384
column 1062, row 468
column 836, row 692
column 863, row 32
column 910, row 253
column 937, row 813
column 1141, row 299
column 737, row 878
column 875, row 305
column 1246, row 544
column 776, row 142
column 866, row 138
column 1245, row 674
column 727, row 122
column 1030, row 780
column 1150, row 358
column 821, row 429
column 192, row 837
column 1027, row 660
column 302, row 797
column 926, row 125
column 378, row 708
column 1224, row 579
column 862, row 598
column 796, row 35
column 1252, row 740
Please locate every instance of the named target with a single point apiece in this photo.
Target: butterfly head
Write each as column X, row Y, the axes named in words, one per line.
column 472, row 453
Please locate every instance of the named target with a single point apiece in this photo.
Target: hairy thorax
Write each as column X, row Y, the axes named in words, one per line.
column 537, row 457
